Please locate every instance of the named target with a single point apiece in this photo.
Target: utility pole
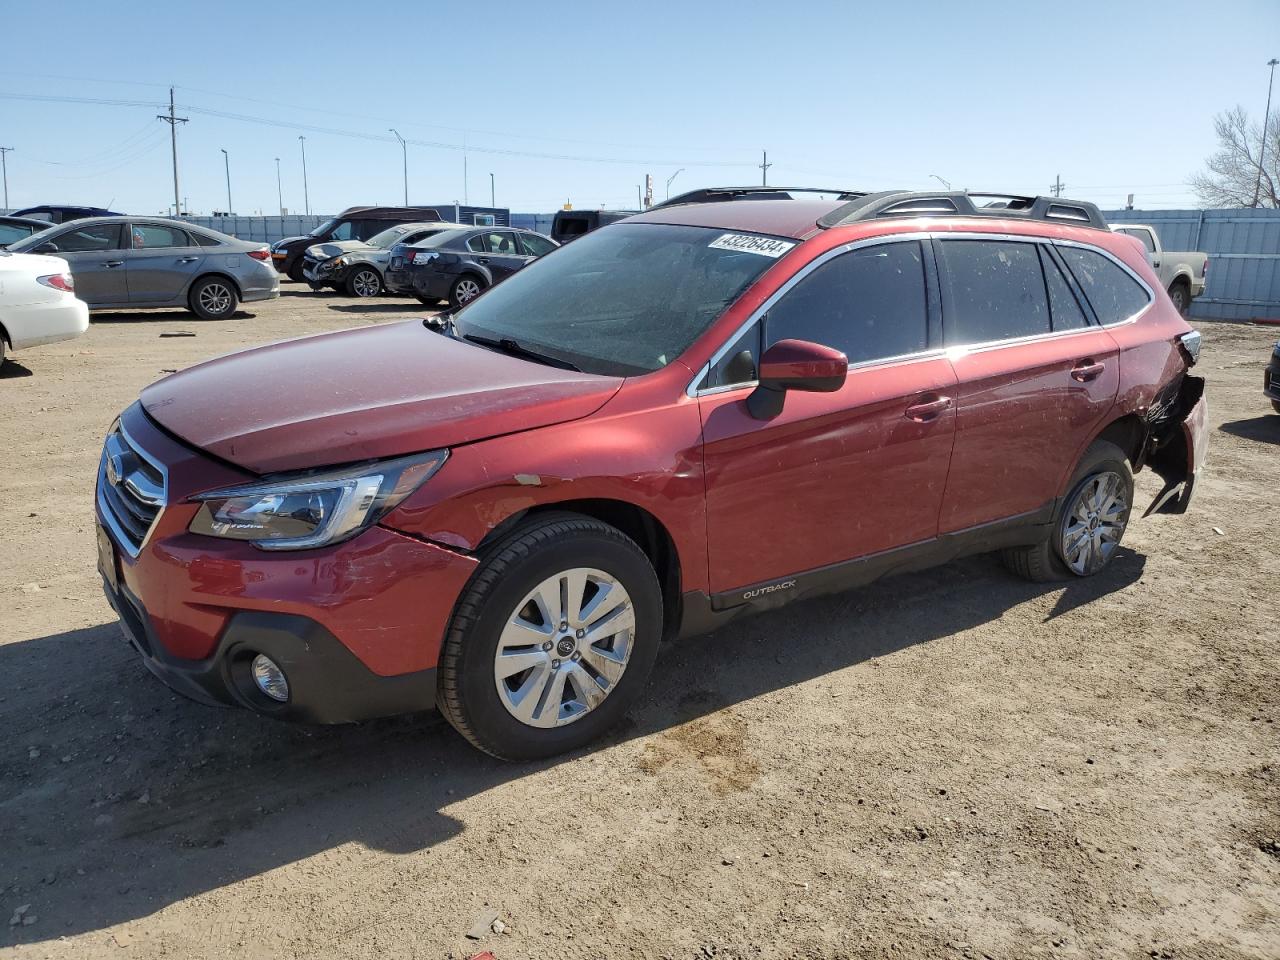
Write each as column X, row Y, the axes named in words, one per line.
column 764, row 168
column 173, row 122
column 306, row 197
column 279, row 190
column 404, row 152
column 4, row 169
column 639, row 197
column 1057, row 186
column 1266, row 119
column 491, row 193
column 226, row 158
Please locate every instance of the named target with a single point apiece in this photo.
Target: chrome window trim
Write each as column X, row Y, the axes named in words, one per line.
column 122, row 539
column 692, row 391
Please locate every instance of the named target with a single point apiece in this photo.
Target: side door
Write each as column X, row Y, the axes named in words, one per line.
column 1036, row 377
column 835, row 476
column 502, row 254
column 163, row 260
column 96, row 254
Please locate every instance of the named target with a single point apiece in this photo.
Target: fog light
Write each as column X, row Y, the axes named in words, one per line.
column 270, row 678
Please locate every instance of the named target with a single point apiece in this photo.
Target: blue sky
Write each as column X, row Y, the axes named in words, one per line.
column 578, row 101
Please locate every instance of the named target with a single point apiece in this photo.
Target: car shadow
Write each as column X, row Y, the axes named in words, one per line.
column 161, row 316
column 11, row 369
column 122, row 798
column 410, row 308
column 1265, row 429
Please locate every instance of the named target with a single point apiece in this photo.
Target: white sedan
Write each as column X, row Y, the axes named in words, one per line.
column 37, row 302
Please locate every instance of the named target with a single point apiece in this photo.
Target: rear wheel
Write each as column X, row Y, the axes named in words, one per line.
column 364, row 282
column 465, row 289
column 1180, row 294
column 553, row 639
column 213, row 298
column 1088, row 524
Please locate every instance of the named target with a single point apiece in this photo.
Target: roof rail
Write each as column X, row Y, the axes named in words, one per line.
column 964, row 203
column 721, row 194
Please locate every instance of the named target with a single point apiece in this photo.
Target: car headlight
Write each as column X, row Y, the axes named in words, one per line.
column 316, row 509
column 340, row 261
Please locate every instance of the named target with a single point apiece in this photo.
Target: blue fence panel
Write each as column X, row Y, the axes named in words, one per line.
column 1244, row 256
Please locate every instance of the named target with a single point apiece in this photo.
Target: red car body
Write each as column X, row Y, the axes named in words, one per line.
column 905, row 465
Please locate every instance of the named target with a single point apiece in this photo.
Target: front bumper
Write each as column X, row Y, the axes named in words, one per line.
column 1271, row 377
column 357, row 627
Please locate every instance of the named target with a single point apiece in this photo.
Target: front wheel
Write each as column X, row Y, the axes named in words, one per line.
column 465, row 289
column 364, row 282
column 213, row 298
column 1087, row 525
column 553, row 639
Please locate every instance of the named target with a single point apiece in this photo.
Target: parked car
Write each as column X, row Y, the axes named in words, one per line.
column 354, row 223
column 1271, row 379
column 64, row 214
column 1182, row 272
column 13, row 229
column 459, row 265
column 710, row 409
column 570, row 224
column 357, row 267
column 140, row 262
column 38, row 304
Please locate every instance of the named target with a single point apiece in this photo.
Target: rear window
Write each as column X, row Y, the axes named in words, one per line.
column 572, row 226
column 1114, row 294
column 993, row 290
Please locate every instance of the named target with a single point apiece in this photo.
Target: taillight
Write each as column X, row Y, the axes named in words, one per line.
column 413, row 255
column 263, row 254
column 1206, row 267
column 59, row 281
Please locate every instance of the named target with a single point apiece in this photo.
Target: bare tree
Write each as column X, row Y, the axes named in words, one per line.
column 1232, row 172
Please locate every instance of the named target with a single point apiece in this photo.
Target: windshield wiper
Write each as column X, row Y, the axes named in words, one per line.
column 507, row 345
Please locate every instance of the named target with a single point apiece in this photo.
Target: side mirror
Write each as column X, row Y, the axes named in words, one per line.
column 795, row 365
column 47, row 247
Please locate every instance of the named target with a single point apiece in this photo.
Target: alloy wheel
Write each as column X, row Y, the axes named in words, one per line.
column 1094, row 522
column 365, row 284
column 215, row 298
column 564, row 648
column 468, row 290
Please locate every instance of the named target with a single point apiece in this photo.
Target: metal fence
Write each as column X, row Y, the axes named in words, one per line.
column 1244, row 256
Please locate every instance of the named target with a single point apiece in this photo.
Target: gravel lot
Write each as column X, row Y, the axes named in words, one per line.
column 949, row 764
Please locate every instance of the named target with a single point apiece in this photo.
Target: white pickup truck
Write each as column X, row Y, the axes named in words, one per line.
column 1181, row 272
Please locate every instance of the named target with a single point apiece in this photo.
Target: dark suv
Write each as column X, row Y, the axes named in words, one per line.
column 459, row 265
column 716, row 407
column 354, row 223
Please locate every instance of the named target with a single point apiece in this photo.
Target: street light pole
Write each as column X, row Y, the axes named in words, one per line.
column 279, row 190
column 670, row 178
column 306, row 197
column 491, row 193
column 4, row 169
column 226, row 158
column 404, row 151
column 1266, row 119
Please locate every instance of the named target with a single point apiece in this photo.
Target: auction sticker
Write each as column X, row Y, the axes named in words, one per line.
column 745, row 243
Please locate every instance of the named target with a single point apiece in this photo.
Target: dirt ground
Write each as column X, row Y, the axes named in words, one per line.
column 949, row 764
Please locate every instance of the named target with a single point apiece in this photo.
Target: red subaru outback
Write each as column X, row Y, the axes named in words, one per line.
column 504, row 511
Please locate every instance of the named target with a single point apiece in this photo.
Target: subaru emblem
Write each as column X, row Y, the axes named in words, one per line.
column 115, row 468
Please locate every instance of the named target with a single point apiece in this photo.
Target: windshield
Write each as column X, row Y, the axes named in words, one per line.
column 624, row 300
column 323, row 228
column 440, row 239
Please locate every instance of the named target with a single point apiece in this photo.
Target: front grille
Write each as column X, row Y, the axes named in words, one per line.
column 131, row 490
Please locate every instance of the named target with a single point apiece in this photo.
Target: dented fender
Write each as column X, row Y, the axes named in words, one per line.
column 1177, row 448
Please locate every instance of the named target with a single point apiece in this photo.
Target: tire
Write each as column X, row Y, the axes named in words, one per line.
column 363, row 282
column 2, row 346
column 465, row 289
column 1180, row 294
column 1103, row 474
column 504, row 708
column 213, row 298
column 1275, row 404
column 295, row 273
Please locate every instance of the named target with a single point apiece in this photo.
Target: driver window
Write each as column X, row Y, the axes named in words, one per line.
column 869, row 303
column 99, row 236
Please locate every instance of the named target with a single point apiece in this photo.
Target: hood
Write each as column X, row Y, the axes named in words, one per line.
column 335, row 248
column 378, row 391
column 286, row 241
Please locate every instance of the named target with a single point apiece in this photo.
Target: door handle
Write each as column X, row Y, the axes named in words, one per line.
column 188, row 259
column 1087, row 370
column 114, row 263
column 482, row 259
column 928, row 410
